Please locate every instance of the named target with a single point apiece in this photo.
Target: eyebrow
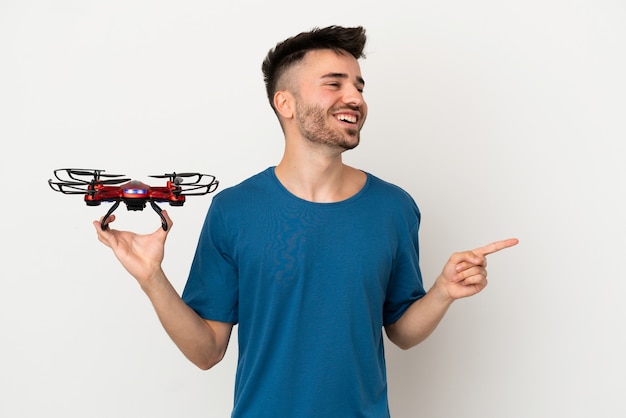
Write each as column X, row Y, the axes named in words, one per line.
column 359, row 79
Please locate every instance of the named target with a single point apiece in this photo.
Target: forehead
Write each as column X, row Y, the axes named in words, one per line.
column 320, row 62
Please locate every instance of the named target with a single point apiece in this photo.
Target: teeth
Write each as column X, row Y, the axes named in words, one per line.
column 347, row 118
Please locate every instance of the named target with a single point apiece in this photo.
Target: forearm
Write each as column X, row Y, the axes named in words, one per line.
column 420, row 319
column 203, row 344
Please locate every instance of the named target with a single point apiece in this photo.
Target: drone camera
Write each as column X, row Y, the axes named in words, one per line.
column 136, row 204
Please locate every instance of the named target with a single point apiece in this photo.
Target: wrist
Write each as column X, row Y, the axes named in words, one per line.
column 153, row 281
column 440, row 292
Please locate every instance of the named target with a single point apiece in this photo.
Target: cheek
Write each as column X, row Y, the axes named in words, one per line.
column 364, row 111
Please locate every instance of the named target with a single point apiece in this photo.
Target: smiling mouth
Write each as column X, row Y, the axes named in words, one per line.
column 348, row 118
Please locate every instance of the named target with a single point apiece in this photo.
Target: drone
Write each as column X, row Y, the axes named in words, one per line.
column 98, row 186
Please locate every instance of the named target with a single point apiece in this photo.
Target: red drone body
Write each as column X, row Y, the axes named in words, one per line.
column 135, row 193
column 98, row 187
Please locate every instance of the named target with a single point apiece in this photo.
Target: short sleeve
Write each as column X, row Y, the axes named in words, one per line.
column 405, row 285
column 212, row 286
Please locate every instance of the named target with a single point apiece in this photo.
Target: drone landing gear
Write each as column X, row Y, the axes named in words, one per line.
column 156, row 208
column 103, row 223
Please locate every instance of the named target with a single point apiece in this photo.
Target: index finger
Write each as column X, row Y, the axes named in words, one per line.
column 495, row 246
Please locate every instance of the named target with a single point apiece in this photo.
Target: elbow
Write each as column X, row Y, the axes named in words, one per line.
column 207, row 362
column 401, row 340
column 404, row 344
column 205, row 366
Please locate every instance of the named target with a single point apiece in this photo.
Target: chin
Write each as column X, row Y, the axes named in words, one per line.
column 348, row 145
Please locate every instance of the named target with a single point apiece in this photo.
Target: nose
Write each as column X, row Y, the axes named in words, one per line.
column 353, row 96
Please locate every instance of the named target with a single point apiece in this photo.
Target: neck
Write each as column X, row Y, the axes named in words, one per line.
column 318, row 177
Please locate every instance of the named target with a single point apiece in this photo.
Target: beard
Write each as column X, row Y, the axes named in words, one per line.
column 313, row 124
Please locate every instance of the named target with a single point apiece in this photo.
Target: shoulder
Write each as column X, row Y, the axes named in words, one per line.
column 390, row 201
column 380, row 187
column 253, row 186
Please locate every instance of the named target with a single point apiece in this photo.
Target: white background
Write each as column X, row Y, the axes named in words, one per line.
column 501, row 118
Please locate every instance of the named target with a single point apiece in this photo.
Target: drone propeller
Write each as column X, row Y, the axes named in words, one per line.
column 78, row 174
column 67, row 187
column 74, row 181
column 177, row 178
column 174, row 174
column 196, row 183
column 113, row 181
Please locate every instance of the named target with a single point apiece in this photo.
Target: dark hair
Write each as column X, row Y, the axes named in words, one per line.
column 292, row 50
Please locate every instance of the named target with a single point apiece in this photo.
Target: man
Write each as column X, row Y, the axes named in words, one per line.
column 311, row 258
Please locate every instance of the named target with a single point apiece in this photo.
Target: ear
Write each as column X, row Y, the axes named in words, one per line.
column 284, row 104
